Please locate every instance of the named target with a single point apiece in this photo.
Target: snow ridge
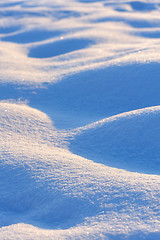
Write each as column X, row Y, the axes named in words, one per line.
column 79, row 119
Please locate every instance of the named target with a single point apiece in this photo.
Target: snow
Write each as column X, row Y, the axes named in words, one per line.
column 128, row 140
column 79, row 119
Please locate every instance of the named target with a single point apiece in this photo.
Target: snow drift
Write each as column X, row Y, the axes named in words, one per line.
column 129, row 141
column 79, row 119
column 46, row 186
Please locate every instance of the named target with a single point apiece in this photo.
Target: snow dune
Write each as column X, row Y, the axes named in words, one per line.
column 79, row 119
column 128, row 140
column 46, row 186
column 95, row 94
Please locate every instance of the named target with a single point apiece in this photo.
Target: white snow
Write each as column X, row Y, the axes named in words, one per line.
column 79, row 119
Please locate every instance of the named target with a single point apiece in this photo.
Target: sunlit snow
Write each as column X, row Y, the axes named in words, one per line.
column 79, row 119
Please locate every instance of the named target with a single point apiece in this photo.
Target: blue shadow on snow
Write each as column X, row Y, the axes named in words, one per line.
column 58, row 48
column 35, row 35
column 94, row 94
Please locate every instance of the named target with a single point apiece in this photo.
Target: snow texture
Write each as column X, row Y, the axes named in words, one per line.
column 79, row 119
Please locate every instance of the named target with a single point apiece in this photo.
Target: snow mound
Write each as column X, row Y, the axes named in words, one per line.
column 128, row 141
column 47, row 191
column 21, row 121
column 82, row 66
column 31, row 172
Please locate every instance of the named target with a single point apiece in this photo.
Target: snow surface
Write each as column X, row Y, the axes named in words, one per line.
column 79, row 119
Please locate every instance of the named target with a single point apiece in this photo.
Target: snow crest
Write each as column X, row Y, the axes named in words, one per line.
column 79, row 119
